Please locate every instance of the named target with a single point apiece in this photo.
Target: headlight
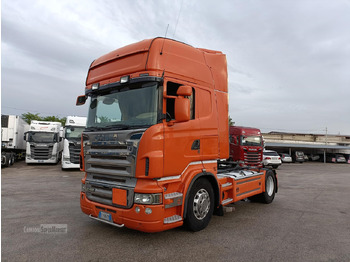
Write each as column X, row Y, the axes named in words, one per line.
column 148, row 199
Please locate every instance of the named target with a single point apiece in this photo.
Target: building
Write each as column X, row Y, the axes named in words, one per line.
column 308, row 143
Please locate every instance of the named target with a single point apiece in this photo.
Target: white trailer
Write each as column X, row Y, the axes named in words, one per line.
column 74, row 126
column 44, row 142
column 13, row 146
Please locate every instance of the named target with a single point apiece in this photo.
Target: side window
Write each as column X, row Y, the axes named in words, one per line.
column 170, row 102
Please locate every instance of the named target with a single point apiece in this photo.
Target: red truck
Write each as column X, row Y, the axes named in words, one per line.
column 157, row 133
column 246, row 146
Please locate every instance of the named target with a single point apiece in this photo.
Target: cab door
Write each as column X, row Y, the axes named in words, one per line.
column 182, row 141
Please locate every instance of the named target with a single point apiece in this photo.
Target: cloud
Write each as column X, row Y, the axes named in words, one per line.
column 288, row 61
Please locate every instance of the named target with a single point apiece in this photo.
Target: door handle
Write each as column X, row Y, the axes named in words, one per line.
column 196, row 145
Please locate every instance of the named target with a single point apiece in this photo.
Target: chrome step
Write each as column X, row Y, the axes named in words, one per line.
column 173, row 195
column 176, row 197
column 226, row 184
column 228, row 200
column 172, row 219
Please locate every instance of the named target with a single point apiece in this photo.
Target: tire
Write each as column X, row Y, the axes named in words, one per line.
column 200, row 205
column 270, row 189
column 275, row 166
column 12, row 159
column 7, row 160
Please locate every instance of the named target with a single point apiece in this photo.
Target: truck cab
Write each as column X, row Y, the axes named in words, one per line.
column 73, row 129
column 157, row 126
column 44, row 142
column 246, row 146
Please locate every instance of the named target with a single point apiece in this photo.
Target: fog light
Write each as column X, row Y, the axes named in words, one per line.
column 137, row 210
column 148, row 211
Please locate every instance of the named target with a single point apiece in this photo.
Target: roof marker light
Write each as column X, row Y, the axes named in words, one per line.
column 95, row 86
column 124, row 79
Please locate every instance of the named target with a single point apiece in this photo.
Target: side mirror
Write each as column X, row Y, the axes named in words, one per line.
column 81, row 100
column 25, row 136
column 182, row 104
column 184, row 91
column 182, row 109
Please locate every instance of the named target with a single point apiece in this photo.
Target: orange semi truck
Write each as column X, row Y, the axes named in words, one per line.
column 157, row 138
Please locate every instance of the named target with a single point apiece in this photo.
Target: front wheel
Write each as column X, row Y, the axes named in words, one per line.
column 200, row 205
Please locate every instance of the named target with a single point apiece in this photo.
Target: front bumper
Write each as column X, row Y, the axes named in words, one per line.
column 272, row 163
column 68, row 164
column 35, row 161
column 140, row 221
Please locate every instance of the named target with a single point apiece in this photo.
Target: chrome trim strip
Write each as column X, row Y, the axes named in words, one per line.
column 169, row 178
column 190, row 164
column 107, row 222
column 209, row 161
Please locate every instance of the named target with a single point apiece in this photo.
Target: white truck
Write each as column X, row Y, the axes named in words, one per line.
column 74, row 126
column 13, row 146
column 44, row 142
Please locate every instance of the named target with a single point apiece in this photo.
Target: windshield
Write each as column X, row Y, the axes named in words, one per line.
column 42, row 137
column 131, row 106
column 250, row 140
column 73, row 132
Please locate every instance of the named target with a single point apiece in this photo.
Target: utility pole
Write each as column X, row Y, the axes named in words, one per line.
column 324, row 151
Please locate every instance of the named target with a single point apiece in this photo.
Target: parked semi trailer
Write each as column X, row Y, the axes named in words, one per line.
column 157, row 136
column 13, row 146
column 74, row 126
column 44, row 142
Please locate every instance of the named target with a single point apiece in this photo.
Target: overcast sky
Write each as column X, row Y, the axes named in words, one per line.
column 288, row 61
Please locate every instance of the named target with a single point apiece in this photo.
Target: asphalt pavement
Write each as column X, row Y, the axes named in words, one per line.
column 309, row 220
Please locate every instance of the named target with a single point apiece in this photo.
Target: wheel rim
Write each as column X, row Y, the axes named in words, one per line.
column 201, row 204
column 269, row 185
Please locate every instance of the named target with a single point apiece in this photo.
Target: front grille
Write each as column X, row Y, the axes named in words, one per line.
column 74, row 152
column 41, row 152
column 110, row 161
column 113, row 157
column 252, row 158
column 99, row 188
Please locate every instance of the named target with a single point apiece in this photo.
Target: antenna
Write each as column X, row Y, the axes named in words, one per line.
column 166, row 32
column 178, row 17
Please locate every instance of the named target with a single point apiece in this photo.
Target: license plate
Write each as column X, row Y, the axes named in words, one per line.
column 41, row 161
column 105, row 216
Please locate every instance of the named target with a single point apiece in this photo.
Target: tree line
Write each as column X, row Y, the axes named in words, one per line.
column 28, row 117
